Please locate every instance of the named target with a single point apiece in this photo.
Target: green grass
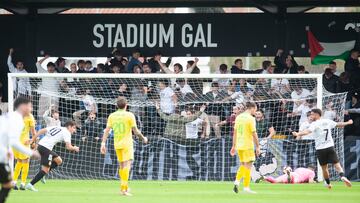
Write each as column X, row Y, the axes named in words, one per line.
column 98, row 191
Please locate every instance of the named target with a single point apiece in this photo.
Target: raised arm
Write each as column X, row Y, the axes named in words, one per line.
column 164, row 68
column 11, row 66
column 272, row 132
column 343, row 124
column 191, row 68
column 168, row 62
column 38, row 64
column 47, row 116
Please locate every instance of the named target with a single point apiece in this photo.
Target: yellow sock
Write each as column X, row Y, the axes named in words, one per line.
column 240, row 173
column 17, row 170
column 24, row 172
column 125, row 180
column 121, row 174
column 247, row 177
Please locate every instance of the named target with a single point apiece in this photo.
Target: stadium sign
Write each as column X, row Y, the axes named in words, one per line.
column 132, row 35
column 173, row 34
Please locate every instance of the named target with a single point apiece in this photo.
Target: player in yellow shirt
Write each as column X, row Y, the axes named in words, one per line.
column 123, row 124
column 22, row 160
column 244, row 139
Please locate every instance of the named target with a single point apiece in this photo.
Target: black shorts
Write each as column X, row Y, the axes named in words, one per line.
column 46, row 155
column 327, row 156
column 5, row 173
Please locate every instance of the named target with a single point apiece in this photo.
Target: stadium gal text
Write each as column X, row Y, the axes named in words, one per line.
column 152, row 35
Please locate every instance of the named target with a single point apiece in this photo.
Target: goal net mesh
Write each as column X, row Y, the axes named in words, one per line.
column 184, row 144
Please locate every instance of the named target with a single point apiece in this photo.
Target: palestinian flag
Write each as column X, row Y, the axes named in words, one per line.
column 323, row 52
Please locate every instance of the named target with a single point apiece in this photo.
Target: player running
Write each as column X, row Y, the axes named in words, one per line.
column 300, row 175
column 123, row 123
column 243, row 142
column 49, row 159
column 11, row 126
column 320, row 129
column 23, row 160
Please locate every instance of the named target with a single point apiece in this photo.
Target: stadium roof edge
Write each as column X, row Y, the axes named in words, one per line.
column 268, row 6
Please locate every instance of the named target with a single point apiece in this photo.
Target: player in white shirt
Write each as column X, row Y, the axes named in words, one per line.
column 168, row 98
column 49, row 159
column 11, row 126
column 22, row 86
column 321, row 130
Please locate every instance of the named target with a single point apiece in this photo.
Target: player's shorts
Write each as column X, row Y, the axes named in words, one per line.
column 46, row 156
column 5, row 173
column 125, row 154
column 246, row 155
column 327, row 156
column 19, row 155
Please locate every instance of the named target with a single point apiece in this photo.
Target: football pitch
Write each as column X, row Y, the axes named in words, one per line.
column 98, row 191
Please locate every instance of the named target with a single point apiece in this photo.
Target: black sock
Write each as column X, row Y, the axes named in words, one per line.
column 327, row 180
column 53, row 165
column 38, row 177
column 4, row 192
column 341, row 174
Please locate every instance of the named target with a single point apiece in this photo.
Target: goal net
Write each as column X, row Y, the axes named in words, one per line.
column 184, row 144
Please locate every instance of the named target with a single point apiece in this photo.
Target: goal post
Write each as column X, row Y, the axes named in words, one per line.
column 184, row 144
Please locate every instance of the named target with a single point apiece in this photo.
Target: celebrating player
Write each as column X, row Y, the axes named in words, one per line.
column 11, row 126
column 243, row 142
column 300, row 175
column 123, row 123
column 320, row 129
column 49, row 159
column 22, row 160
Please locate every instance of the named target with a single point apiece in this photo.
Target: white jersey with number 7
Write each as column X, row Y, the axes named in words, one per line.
column 321, row 132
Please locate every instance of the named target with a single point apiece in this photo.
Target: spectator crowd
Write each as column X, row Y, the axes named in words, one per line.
column 180, row 110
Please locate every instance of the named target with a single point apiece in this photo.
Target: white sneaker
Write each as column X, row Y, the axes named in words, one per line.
column 31, row 187
column 247, row 190
column 346, row 181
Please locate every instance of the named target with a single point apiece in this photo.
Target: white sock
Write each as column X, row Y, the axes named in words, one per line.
column 237, row 183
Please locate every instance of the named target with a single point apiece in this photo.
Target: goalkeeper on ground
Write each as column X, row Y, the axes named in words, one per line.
column 123, row 123
column 300, row 175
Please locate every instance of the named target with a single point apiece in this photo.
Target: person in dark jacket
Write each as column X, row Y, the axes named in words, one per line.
column 154, row 64
column 344, row 85
column 285, row 63
column 175, row 130
column 352, row 63
column 354, row 114
column 60, row 66
column 330, row 80
column 352, row 67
